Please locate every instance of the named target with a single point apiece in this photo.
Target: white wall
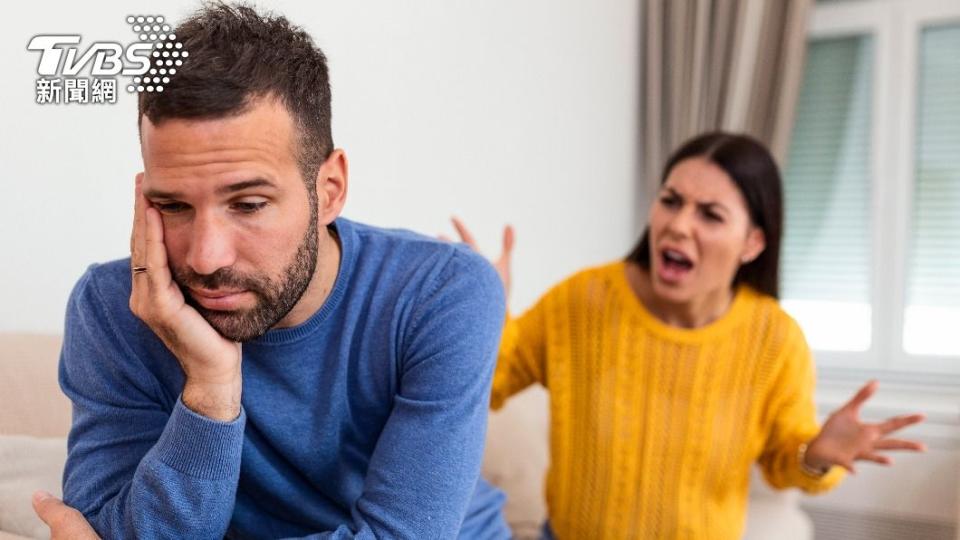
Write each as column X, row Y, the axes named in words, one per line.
column 521, row 112
column 495, row 110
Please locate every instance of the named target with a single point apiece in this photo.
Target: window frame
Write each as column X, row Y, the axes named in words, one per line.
column 895, row 26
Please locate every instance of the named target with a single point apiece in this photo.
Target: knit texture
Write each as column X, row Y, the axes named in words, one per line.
column 653, row 429
column 365, row 421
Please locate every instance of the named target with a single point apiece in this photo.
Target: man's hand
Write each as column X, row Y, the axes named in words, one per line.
column 64, row 522
column 210, row 362
column 845, row 439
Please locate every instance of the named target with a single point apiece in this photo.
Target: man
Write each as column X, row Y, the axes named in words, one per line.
column 356, row 405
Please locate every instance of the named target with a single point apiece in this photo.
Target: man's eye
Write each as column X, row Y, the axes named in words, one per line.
column 170, row 208
column 249, row 207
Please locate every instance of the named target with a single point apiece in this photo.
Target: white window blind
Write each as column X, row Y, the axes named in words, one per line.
column 826, row 257
column 932, row 315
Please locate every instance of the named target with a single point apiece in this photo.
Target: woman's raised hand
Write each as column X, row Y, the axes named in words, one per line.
column 845, row 438
column 502, row 264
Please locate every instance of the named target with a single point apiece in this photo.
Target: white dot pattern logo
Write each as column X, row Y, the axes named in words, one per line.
column 150, row 28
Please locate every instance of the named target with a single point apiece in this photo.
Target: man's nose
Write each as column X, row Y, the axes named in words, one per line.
column 211, row 245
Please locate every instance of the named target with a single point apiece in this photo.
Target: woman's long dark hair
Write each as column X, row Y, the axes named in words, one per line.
column 753, row 170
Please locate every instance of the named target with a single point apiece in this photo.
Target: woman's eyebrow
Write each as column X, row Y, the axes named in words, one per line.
column 706, row 205
column 711, row 205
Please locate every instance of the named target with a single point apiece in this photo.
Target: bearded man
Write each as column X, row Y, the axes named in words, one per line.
column 261, row 367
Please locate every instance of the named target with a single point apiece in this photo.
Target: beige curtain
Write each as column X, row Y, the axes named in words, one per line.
column 735, row 65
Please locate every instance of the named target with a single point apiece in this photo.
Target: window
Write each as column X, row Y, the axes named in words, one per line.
column 871, row 256
column 827, row 252
column 932, row 317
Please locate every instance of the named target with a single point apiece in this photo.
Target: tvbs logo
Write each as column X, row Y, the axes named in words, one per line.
column 108, row 58
column 150, row 62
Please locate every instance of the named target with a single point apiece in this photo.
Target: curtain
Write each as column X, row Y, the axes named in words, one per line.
column 734, row 65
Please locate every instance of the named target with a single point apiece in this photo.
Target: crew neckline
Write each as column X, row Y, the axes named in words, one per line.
column 731, row 317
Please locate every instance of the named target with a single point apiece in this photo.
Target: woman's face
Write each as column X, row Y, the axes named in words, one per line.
column 700, row 233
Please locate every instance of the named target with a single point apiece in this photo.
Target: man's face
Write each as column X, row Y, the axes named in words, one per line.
column 239, row 225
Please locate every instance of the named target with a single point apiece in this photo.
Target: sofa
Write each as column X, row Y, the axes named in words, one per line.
column 35, row 419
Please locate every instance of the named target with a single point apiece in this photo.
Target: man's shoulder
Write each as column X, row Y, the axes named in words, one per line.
column 403, row 255
column 107, row 283
column 374, row 239
column 99, row 322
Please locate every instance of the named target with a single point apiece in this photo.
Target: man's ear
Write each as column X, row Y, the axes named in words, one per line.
column 756, row 243
column 332, row 187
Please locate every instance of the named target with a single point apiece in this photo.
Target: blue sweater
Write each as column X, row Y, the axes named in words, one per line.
column 365, row 421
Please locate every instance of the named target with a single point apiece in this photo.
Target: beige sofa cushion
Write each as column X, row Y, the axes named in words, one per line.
column 516, row 459
column 26, row 465
column 31, row 402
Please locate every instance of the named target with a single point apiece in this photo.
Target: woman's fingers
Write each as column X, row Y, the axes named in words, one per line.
column 899, row 422
column 899, row 444
column 464, row 233
column 508, row 239
column 862, row 395
column 877, row 458
column 503, row 263
column 849, row 466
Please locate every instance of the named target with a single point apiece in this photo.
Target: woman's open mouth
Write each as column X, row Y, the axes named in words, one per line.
column 674, row 265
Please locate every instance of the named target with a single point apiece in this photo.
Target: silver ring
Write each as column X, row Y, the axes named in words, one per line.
column 138, row 270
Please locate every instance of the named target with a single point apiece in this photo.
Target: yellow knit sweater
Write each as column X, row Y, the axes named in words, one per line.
column 653, row 428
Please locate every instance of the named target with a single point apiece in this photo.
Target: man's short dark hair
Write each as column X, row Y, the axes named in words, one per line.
column 237, row 55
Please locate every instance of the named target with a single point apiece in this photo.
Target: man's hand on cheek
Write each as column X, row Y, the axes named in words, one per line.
column 211, row 362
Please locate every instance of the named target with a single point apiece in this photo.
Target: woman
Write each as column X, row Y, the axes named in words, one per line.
column 672, row 371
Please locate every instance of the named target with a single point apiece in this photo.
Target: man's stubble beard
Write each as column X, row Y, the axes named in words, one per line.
column 274, row 300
